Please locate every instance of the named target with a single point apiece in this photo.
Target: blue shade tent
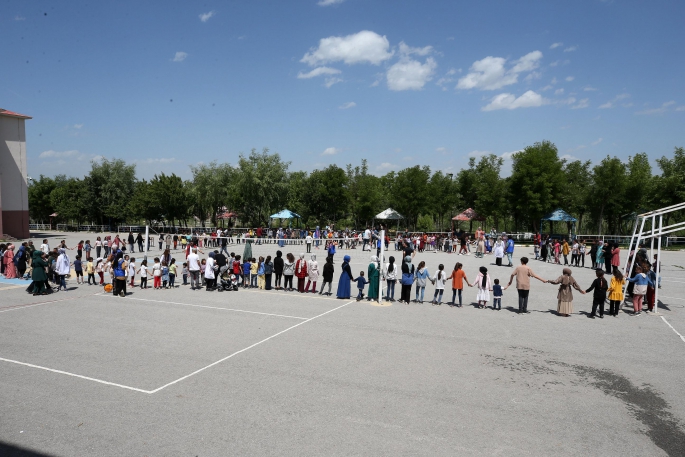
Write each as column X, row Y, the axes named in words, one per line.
column 560, row 215
column 284, row 214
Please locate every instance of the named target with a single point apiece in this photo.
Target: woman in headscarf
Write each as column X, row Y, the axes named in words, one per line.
column 313, row 274
column 374, row 279
column 407, row 280
column 8, row 262
column 20, row 260
column 565, row 296
column 345, row 279
column 38, row 274
column 210, row 277
column 301, row 272
column 62, row 268
column 484, row 287
column 499, row 251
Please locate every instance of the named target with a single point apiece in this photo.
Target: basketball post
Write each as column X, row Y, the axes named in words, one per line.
column 380, row 267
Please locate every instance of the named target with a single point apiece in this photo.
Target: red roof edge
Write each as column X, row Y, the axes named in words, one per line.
column 4, row 112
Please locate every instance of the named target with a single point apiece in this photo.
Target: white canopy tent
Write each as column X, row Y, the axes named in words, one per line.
column 390, row 215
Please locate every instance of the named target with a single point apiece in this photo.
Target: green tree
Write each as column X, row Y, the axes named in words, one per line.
column 365, row 194
column 490, row 189
column 143, row 205
column 445, row 197
column 326, row 192
column 40, row 206
column 213, row 186
column 70, row 200
column 574, row 199
column 410, row 192
column 607, row 193
column 110, row 185
column 537, row 182
column 170, row 195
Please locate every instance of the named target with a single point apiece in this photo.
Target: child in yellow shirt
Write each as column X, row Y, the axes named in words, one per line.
column 616, row 292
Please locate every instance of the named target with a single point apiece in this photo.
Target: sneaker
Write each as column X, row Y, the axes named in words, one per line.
column 636, row 314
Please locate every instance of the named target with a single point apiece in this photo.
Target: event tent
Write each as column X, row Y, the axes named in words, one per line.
column 468, row 215
column 389, row 214
column 562, row 216
column 284, row 214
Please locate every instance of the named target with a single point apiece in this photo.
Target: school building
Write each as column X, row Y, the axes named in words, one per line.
column 14, row 200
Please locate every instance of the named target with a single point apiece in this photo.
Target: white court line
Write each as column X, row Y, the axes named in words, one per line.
column 209, row 307
column 14, row 308
column 676, row 331
column 247, row 348
column 76, row 375
column 672, row 298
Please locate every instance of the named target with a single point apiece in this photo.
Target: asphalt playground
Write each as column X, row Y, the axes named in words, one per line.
column 181, row 372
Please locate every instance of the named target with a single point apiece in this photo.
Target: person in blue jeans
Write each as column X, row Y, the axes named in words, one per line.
column 510, row 251
column 497, row 296
column 361, row 282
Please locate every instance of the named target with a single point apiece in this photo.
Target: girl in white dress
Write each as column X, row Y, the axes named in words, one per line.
column 484, row 287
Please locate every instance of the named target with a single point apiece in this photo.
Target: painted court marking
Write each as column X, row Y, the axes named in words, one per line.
column 676, row 331
column 205, row 306
column 135, row 389
column 31, row 305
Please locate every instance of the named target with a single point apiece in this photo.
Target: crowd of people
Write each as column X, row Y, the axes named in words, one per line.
column 109, row 262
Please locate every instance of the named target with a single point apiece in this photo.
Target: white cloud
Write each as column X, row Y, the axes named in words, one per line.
column 180, row 56
column 570, row 78
column 553, row 81
column 556, row 45
column 559, row 91
column 406, row 50
column 680, row 108
column 606, row 105
column 204, row 17
column 386, row 166
column 510, row 155
column 560, row 62
column 596, row 142
column 589, row 89
column 478, row 153
column 347, row 105
column 612, row 103
column 329, row 2
column 509, row 101
column 363, row 47
column 151, row 161
column 662, row 109
column 19, row 18
column 532, row 76
column 584, row 103
column 490, row 73
column 571, row 49
column 331, row 151
column 333, row 80
column 318, row 72
column 447, row 79
column 569, row 157
column 546, row 88
column 78, row 126
column 441, row 149
column 58, row 154
column 410, row 74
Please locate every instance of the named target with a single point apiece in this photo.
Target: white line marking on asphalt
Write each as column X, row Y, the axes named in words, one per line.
column 16, row 307
column 76, row 375
column 672, row 298
column 210, row 307
column 247, row 348
column 676, row 331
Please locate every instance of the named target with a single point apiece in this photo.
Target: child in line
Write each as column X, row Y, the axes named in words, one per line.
column 458, row 277
column 254, row 269
column 439, row 279
column 143, row 274
column 186, row 272
column 361, row 282
column 87, row 248
column 261, row 281
column 328, row 270
column 165, row 275
column 497, row 296
column 484, row 287
column 246, row 273
column 78, row 268
column 172, row 273
column 203, row 267
column 99, row 270
column 157, row 274
column 641, row 281
column 90, row 270
column 132, row 271
column 237, row 271
column 420, row 275
column 615, row 292
column 600, row 286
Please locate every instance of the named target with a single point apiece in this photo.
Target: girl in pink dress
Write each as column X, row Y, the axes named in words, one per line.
column 8, row 260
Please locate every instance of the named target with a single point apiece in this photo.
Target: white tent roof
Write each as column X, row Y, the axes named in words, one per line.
column 389, row 214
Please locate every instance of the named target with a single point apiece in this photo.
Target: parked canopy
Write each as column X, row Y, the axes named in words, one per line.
column 559, row 215
column 468, row 215
column 285, row 214
column 389, row 214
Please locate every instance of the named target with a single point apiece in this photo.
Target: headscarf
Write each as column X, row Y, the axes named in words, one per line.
column 374, row 258
column 347, row 258
column 279, row 253
column 314, row 257
column 407, row 261
column 566, row 277
column 484, row 272
column 301, row 255
column 211, row 254
column 63, row 265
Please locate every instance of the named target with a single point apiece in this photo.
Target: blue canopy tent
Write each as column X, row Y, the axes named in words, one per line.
column 560, row 215
column 284, row 214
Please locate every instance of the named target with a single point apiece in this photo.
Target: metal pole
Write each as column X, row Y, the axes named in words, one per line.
column 632, row 260
column 380, row 266
column 658, row 263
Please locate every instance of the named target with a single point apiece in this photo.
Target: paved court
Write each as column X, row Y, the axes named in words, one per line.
column 180, row 372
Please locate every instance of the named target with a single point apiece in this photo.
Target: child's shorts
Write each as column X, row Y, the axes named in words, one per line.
column 79, row 273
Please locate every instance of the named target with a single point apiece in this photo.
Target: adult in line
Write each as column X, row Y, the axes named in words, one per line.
column 278, row 270
column 268, row 272
column 62, row 268
column 374, row 279
column 40, row 278
column 606, row 251
column 312, row 274
column 193, row 261
column 20, row 259
column 344, row 284
column 523, row 273
column 210, row 272
column 565, row 295
column 407, row 280
column 139, row 242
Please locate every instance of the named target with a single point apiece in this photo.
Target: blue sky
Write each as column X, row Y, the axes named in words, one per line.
column 170, row 84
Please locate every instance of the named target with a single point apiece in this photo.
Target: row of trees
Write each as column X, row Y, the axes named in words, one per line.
column 602, row 196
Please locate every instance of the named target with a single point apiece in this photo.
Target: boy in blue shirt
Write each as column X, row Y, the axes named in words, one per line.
column 497, row 296
column 78, row 268
column 246, row 272
column 361, row 282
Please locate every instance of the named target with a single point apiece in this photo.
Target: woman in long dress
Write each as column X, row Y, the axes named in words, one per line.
column 374, row 278
column 345, row 279
column 484, row 285
column 565, row 296
column 8, row 261
column 499, row 251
